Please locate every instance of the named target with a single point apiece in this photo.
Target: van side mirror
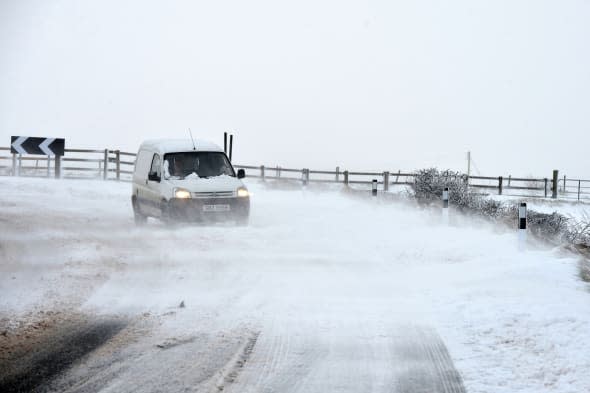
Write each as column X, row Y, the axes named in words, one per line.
column 241, row 173
column 153, row 177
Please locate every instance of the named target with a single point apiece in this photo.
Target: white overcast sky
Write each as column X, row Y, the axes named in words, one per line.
column 364, row 85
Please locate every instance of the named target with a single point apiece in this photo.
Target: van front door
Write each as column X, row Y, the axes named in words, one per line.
column 152, row 197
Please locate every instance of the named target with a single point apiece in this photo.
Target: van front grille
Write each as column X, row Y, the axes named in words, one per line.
column 217, row 194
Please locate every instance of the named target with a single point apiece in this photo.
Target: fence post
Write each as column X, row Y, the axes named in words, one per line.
column 278, row 172
column 307, row 176
column 346, row 178
column 13, row 164
column 546, row 181
column 579, row 187
column 374, row 187
column 304, row 176
column 386, row 181
column 105, row 169
column 563, row 189
column 509, row 179
column 337, row 174
column 262, row 172
column 57, row 167
column 554, row 185
column 118, row 161
column 499, row 185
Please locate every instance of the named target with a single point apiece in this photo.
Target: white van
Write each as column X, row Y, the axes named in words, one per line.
column 176, row 180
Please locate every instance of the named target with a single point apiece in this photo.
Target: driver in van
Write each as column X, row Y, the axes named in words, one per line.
column 178, row 167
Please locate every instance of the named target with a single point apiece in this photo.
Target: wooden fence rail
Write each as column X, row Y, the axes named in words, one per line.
column 112, row 164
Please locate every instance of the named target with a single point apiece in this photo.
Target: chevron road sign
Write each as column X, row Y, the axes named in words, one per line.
column 35, row 145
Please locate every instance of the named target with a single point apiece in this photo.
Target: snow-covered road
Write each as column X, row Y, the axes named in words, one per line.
column 321, row 293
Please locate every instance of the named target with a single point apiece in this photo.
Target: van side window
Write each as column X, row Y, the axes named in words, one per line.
column 155, row 168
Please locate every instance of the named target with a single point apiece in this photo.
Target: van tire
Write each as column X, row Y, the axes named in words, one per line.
column 165, row 214
column 140, row 219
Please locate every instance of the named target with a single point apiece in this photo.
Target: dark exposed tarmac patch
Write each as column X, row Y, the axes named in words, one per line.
column 427, row 365
column 39, row 357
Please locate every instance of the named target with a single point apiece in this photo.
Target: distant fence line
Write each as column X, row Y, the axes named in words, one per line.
column 110, row 164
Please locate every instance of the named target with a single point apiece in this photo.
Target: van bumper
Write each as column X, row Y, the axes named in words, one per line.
column 199, row 209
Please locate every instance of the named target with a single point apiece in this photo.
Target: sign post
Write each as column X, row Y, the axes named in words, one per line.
column 42, row 146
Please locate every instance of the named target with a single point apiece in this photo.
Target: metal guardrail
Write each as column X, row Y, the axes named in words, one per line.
column 112, row 164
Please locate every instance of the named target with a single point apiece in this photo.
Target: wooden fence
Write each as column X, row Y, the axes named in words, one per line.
column 109, row 164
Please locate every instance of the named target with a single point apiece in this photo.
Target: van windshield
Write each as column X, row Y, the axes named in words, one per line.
column 203, row 164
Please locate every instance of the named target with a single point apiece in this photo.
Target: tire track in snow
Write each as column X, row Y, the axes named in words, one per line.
column 229, row 373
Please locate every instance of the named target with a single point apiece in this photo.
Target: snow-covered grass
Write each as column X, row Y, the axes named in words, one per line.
column 336, row 275
column 574, row 209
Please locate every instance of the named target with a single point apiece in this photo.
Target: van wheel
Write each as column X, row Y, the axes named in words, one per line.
column 165, row 214
column 139, row 218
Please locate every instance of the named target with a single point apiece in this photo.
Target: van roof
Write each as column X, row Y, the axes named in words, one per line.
column 164, row 146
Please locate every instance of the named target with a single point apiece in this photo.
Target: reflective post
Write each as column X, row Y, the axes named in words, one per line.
column 374, row 187
column 445, row 205
column 522, row 226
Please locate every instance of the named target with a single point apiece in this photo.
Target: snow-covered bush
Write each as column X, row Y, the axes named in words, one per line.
column 429, row 185
column 553, row 226
column 579, row 230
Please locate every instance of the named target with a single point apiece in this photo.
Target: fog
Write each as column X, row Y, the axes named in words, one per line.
column 364, row 85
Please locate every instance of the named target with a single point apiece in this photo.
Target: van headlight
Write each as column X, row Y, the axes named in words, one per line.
column 181, row 193
column 243, row 192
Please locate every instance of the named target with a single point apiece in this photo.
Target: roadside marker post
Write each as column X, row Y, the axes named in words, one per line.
column 445, row 205
column 374, row 187
column 522, row 227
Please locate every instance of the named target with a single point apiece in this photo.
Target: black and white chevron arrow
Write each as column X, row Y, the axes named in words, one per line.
column 35, row 145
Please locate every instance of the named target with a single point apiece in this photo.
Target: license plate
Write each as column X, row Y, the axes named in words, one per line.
column 216, row 208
